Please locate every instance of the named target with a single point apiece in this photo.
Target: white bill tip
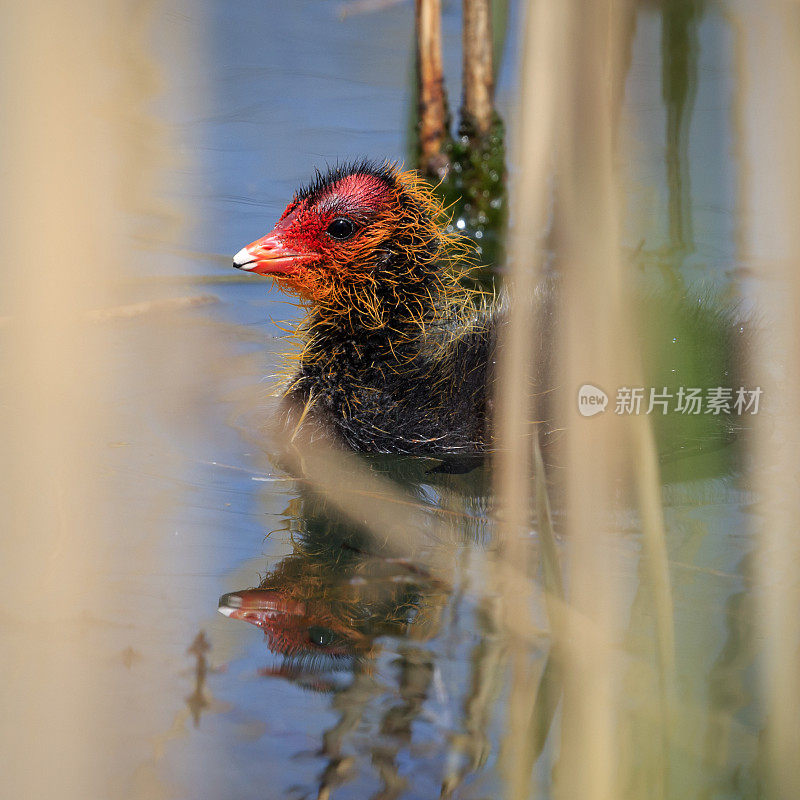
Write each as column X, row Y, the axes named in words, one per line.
column 243, row 259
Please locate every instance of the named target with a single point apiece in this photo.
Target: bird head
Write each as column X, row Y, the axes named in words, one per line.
column 361, row 237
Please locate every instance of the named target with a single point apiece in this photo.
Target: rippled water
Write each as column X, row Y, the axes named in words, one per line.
column 362, row 673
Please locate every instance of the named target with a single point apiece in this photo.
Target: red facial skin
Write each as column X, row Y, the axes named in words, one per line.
column 305, row 258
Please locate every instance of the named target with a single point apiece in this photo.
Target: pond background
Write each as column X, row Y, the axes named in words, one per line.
column 241, row 102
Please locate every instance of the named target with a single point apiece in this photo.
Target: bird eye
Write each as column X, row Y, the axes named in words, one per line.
column 322, row 637
column 341, row 228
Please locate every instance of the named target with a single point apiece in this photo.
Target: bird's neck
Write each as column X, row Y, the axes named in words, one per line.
column 399, row 335
column 387, row 326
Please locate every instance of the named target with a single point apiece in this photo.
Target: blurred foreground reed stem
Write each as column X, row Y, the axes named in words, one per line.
column 768, row 108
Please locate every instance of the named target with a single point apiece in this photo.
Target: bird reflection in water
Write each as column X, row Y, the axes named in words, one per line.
column 342, row 599
column 323, row 607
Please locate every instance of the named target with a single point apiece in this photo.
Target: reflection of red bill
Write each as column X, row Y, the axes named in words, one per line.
column 258, row 605
column 292, row 627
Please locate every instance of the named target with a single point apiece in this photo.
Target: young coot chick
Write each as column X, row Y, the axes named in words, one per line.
column 396, row 356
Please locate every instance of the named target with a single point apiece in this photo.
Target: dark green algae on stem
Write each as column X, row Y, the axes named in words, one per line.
column 474, row 188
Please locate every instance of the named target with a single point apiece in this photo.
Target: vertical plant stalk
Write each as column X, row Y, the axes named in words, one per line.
column 647, row 482
column 679, row 53
column 593, row 348
column 551, row 566
column 547, row 695
column 52, row 179
column 768, row 117
column 477, row 107
column 82, row 156
column 537, row 114
column 433, row 118
column 648, row 489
